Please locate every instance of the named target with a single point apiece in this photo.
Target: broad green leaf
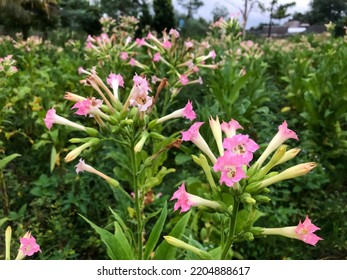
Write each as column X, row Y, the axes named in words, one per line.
column 165, row 251
column 7, row 159
column 156, row 232
column 117, row 245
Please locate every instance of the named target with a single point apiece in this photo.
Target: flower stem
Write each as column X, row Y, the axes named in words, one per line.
column 137, row 203
column 232, row 228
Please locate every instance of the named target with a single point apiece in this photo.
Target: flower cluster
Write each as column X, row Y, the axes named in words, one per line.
column 246, row 181
column 7, row 65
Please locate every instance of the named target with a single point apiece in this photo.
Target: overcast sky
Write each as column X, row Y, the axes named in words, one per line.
column 255, row 17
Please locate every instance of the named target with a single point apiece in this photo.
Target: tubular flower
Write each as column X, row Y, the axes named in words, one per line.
column 28, row 246
column 241, row 145
column 186, row 200
column 192, row 134
column 184, row 80
column 87, row 106
column 230, row 128
column 186, row 112
column 230, row 166
column 303, row 231
column 217, row 134
column 156, row 57
column 82, row 166
column 115, row 81
column 52, row 118
column 282, row 135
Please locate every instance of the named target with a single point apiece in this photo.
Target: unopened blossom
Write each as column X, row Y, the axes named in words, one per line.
column 303, row 231
column 186, row 112
column 241, row 145
column 156, row 57
column 82, row 166
column 184, row 79
column 283, row 134
column 230, row 166
column 28, row 246
column 230, row 128
column 193, row 135
column 217, row 134
column 186, row 200
column 289, row 173
column 77, row 151
column 52, row 118
column 288, row 155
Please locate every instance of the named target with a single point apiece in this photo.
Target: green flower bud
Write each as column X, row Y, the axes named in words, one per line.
column 248, row 236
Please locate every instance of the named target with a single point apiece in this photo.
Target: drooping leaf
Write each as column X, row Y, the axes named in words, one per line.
column 167, row 252
column 156, row 232
column 118, row 247
column 6, row 160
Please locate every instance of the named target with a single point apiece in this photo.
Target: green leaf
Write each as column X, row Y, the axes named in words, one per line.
column 3, row 220
column 165, row 251
column 53, row 158
column 7, row 159
column 156, row 232
column 117, row 245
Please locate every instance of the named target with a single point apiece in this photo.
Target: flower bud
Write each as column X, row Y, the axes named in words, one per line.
column 248, row 236
column 262, row 198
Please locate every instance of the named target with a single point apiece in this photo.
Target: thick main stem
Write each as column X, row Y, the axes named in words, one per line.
column 137, row 203
column 232, row 228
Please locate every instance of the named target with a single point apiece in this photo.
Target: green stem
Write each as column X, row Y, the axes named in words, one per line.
column 3, row 191
column 232, row 228
column 137, row 203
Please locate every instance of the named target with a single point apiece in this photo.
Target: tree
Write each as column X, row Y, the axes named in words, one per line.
column 276, row 11
column 116, row 8
column 324, row 11
column 245, row 11
column 192, row 6
column 281, row 11
column 23, row 14
column 219, row 11
column 164, row 15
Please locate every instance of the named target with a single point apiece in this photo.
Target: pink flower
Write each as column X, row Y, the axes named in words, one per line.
column 183, row 201
column 282, row 135
column 186, row 200
column 186, row 112
column 193, row 135
column 174, row 33
column 212, row 54
column 115, row 80
column 52, row 117
column 166, row 44
column 87, row 106
column 156, row 57
column 306, row 230
column 303, row 231
column 230, row 166
column 28, row 245
column 183, row 79
column 230, row 128
column 124, row 55
column 140, row 42
column 241, row 145
column 82, row 166
column 132, row 61
column 155, row 79
column 188, row 45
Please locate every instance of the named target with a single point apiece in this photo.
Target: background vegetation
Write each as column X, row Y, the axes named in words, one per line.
column 302, row 79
